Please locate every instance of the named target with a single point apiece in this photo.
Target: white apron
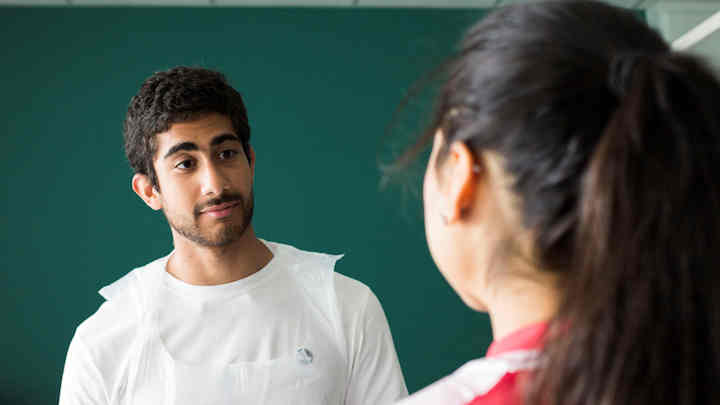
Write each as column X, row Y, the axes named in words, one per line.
column 315, row 373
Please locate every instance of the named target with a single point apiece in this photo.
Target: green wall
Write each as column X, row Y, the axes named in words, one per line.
column 320, row 85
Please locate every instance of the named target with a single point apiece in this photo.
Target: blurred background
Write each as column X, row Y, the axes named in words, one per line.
column 322, row 80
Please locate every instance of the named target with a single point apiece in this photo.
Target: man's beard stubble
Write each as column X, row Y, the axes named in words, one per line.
column 228, row 234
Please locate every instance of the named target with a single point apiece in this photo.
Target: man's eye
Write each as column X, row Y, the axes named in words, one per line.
column 227, row 154
column 185, row 164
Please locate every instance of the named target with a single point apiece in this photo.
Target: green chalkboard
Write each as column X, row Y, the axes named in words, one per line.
column 321, row 86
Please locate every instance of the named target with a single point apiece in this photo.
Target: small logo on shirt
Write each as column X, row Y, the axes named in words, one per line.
column 304, row 356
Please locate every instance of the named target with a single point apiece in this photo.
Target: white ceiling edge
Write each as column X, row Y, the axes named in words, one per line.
column 34, row 2
column 214, row 3
column 700, row 32
column 427, row 3
column 302, row 3
column 664, row 5
column 283, row 3
column 173, row 3
column 675, row 18
column 261, row 3
column 685, row 5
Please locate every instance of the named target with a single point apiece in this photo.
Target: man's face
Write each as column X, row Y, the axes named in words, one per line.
column 205, row 180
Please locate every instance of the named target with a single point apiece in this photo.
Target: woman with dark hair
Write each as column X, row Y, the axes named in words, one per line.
column 571, row 193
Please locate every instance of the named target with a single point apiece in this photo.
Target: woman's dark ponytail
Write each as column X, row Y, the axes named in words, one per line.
column 639, row 321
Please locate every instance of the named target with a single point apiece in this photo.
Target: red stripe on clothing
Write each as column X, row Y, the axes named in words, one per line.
column 508, row 390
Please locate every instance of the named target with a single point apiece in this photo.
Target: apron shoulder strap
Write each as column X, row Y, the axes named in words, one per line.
column 315, row 274
column 135, row 290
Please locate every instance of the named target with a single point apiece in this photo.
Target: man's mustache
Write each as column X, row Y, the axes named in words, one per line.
column 223, row 198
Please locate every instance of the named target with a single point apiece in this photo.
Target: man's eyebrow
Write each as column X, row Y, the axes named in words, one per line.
column 224, row 138
column 179, row 147
column 191, row 146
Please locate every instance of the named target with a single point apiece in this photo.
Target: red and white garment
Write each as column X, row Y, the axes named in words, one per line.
column 492, row 380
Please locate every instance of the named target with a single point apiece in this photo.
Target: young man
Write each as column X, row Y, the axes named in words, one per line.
column 225, row 318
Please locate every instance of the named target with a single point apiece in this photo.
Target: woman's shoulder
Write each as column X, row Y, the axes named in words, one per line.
column 507, row 391
column 490, row 380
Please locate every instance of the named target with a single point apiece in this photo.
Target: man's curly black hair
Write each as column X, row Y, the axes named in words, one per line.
column 178, row 95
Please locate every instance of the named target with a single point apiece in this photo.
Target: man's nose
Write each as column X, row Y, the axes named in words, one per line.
column 214, row 181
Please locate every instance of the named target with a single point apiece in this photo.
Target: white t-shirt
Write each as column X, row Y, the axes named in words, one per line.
column 253, row 339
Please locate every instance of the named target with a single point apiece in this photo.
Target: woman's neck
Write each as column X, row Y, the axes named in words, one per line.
column 520, row 302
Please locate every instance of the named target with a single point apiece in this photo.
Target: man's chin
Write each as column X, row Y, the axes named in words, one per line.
column 217, row 234
column 227, row 235
column 213, row 242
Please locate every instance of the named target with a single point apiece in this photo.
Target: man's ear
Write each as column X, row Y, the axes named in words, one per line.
column 142, row 186
column 462, row 173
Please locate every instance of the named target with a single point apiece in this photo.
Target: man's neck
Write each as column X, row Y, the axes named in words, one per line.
column 201, row 265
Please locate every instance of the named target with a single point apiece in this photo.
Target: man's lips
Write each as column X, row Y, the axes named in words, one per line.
column 220, row 210
column 220, row 207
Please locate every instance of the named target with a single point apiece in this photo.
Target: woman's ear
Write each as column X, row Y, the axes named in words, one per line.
column 461, row 172
column 142, row 186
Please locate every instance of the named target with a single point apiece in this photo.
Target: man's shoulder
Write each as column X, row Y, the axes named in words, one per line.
column 348, row 290
column 114, row 320
column 359, row 306
column 351, row 291
column 114, row 325
column 111, row 323
column 103, row 341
